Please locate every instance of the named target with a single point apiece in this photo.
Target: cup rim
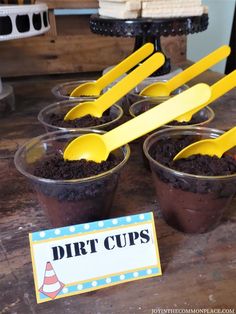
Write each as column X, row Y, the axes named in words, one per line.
column 18, row 153
column 55, row 88
column 176, row 172
column 162, row 98
column 41, row 120
column 211, row 115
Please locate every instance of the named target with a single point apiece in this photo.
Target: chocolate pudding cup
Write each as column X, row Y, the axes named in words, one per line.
column 134, row 96
column 201, row 118
column 68, row 202
column 62, row 91
column 190, row 203
column 115, row 112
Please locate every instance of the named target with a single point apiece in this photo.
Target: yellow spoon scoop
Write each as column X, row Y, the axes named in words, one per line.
column 95, row 88
column 217, row 90
column 211, row 147
column 165, row 88
column 97, row 147
column 97, row 107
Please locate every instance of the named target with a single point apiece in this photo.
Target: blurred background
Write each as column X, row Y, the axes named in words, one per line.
column 221, row 16
column 70, row 47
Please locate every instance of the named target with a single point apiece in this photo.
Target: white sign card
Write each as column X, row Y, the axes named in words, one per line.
column 81, row 258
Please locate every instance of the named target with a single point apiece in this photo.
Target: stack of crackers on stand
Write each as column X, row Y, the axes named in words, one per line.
column 131, row 9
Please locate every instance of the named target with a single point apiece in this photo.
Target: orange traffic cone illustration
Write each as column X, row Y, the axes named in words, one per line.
column 51, row 285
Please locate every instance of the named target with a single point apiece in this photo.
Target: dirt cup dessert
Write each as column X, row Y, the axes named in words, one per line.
column 70, row 192
column 62, row 91
column 52, row 117
column 193, row 193
column 134, row 96
column 202, row 118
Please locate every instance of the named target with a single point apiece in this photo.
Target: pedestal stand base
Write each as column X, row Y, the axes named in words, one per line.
column 149, row 30
column 174, row 71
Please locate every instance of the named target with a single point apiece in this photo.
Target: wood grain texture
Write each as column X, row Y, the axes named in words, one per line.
column 62, row 54
column 175, row 48
column 70, row 47
column 71, row 54
column 198, row 270
column 53, row 25
column 70, row 4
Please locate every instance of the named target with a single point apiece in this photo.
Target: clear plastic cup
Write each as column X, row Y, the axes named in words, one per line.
column 204, row 116
column 68, row 202
column 189, row 203
column 133, row 96
column 62, row 91
column 115, row 112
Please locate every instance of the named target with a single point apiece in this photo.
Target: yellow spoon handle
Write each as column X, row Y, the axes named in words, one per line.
column 198, row 67
column 125, row 65
column 129, row 82
column 227, row 140
column 223, row 86
column 157, row 116
column 217, row 90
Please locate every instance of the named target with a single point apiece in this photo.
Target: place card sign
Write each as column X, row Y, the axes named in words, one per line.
column 81, row 258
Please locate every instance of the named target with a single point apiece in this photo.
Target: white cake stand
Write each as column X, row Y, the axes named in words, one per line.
column 19, row 21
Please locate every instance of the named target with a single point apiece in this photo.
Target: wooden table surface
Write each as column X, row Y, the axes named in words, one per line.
column 199, row 271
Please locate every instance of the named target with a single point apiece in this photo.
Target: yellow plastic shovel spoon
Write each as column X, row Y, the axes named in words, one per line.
column 165, row 88
column 97, row 147
column 217, row 90
column 211, row 147
column 95, row 88
column 97, row 107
